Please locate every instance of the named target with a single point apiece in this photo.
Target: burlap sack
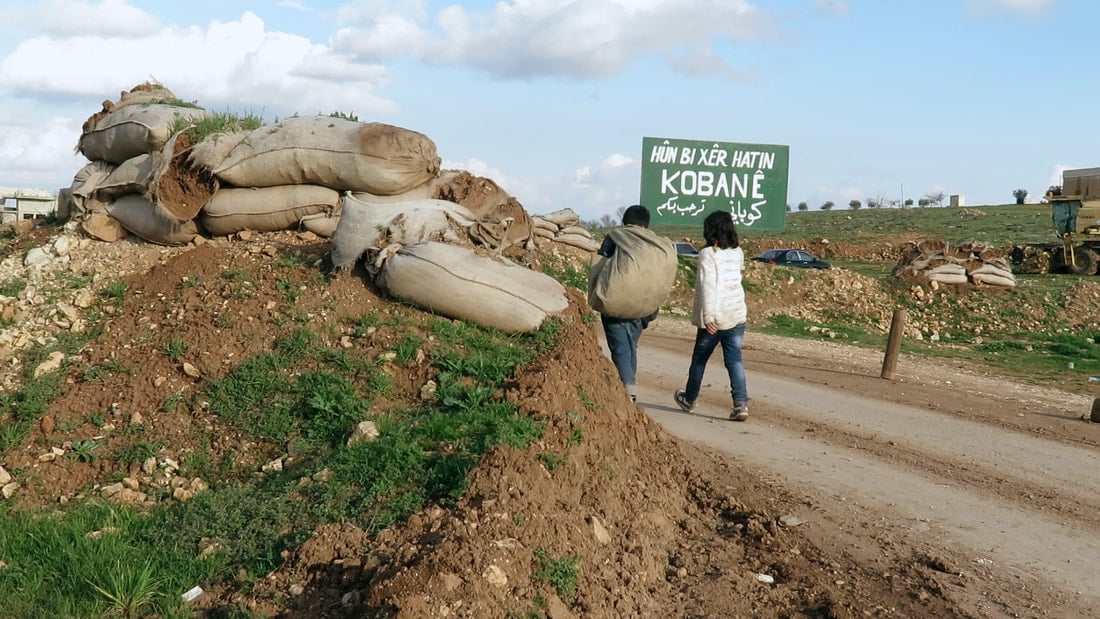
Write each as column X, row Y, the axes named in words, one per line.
column 135, row 175
column 100, row 225
column 458, row 283
column 265, row 209
column 332, row 152
column 562, row 218
column 133, row 130
column 488, row 202
column 151, row 221
column 581, row 242
column 85, row 183
column 366, row 225
column 637, row 279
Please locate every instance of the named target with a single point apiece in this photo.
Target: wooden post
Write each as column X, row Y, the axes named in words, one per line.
column 893, row 343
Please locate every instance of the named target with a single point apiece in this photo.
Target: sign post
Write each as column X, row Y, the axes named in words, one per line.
column 685, row 180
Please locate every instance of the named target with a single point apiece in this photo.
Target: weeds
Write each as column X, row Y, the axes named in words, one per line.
column 115, row 291
column 84, row 450
column 559, row 572
column 175, row 349
column 216, row 123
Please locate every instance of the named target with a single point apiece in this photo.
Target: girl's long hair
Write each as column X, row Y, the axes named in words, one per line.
column 720, row 231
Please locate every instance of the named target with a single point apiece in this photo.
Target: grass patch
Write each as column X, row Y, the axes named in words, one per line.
column 91, row 559
column 216, row 123
column 561, row 573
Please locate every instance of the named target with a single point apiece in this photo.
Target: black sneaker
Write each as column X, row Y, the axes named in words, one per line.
column 740, row 412
column 682, row 401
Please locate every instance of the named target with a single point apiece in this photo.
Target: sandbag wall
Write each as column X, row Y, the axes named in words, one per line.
column 963, row 263
column 126, row 185
column 563, row 226
column 375, row 189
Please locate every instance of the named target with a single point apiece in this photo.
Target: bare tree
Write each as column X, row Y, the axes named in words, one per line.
column 935, row 198
column 878, row 201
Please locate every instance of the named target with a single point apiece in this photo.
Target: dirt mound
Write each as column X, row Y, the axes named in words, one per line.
column 659, row 528
column 652, row 525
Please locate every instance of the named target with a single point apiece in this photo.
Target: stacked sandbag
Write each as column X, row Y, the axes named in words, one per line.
column 563, row 226
column 136, row 179
column 291, row 174
column 458, row 282
column 963, row 263
column 340, row 154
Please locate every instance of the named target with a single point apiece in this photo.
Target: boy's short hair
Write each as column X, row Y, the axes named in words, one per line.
column 636, row 215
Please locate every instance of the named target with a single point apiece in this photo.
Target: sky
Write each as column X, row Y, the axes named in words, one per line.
column 880, row 99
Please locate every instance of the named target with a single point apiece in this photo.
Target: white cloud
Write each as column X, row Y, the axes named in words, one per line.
column 35, row 154
column 569, row 38
column 77, row 18
column 235, row 63
column 591, row 190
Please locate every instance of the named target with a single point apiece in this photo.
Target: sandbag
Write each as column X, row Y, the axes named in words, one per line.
column 101, row 226
column 577, row 230
column 562, row 218
column 321, row 224
column 544, row 234
column 586, row 243
column 542, row 224
column 487, row 201
column 490, row 232
column 366, row 225
column 84, row 186
column 948, row 278
column 947, row 268
column 637, row 279
column 993, row 279
column 133, row 130
column 458, row 283
column 332, row 152
column 131, row 176
column 151, row 221
column 265, row 209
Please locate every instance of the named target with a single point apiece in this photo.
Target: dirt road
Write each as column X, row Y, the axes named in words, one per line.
column 995, row 484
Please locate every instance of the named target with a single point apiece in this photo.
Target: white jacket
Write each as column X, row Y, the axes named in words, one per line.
column 719, row 297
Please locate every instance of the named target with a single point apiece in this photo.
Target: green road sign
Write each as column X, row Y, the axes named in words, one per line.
column 685, row 180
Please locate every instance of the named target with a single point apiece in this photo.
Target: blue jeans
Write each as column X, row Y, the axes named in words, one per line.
column 622, row 341
column 705, row 343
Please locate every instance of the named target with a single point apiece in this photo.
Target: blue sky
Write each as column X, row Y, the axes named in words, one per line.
column 551, row 98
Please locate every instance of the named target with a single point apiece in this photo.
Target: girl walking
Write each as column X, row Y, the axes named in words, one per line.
column 719, row 312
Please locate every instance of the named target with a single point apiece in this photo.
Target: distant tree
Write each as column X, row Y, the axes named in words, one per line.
column 788, row 207
column 935, row 198
column 855, row 205
column 1020, row 195
column 909, row 203
column 923, row 202
column 828, row 205
column 607, row 222
column 878, row 201
column 802, row 206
